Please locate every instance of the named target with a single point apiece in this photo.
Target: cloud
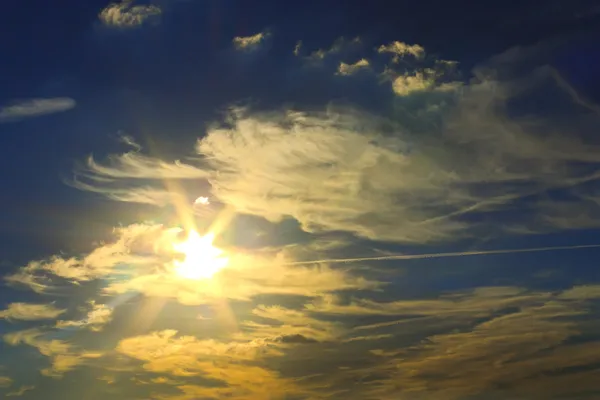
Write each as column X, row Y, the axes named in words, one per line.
column 32, row 337
column 401, row 49
column 582, row 292
column 138, row 166
column 235, row 365
column 477, row 303
column 290, row 326
column 329, row 170
column 124, row 178
column 349, row 69
column 244, row 278
column 30, row 312
column 298, row 48
column 129, row 141
column 141, row 259
column 63, row 356
column 32, row 108
column 125, row 15
column 248, row 43
column 436, row 159
column 5, row 381
column 96, row 318
column 509, row 356
column 20, row 391
column 340, row 45
column 139, row 246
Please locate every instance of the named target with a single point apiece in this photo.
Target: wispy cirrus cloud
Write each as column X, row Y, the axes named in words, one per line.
column 31, row 108
column 329, row 170
column 127, row 15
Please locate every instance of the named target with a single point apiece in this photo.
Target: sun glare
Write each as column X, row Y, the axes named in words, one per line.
column 201, row 259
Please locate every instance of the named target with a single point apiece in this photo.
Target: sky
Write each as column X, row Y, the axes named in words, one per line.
column 382, row 200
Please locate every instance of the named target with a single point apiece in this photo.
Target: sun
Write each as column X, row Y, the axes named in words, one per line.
column 201, row 259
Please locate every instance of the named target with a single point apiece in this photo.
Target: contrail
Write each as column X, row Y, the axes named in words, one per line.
column 440, row 255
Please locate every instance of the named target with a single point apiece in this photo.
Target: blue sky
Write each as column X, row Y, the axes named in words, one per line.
column 403, row 200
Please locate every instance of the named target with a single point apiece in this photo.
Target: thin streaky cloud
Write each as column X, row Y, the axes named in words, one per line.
column 442, row 255
column 37, row 107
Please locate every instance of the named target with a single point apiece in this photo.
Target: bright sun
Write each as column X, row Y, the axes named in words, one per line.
column 202, row 260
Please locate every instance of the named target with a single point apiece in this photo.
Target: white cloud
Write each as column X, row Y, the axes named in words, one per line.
column 30, row 312
column 35, row 108
column 249, row 42
column 5, row 381
column 127, row 15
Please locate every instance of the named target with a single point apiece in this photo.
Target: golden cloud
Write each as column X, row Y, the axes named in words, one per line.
column 249, row 42
column 349, row 69
column 234, row 364
column 62, row 354
column 401, row 49
column 510, row 355
column 97, row 317
column 31, row 312
column 126, row 15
